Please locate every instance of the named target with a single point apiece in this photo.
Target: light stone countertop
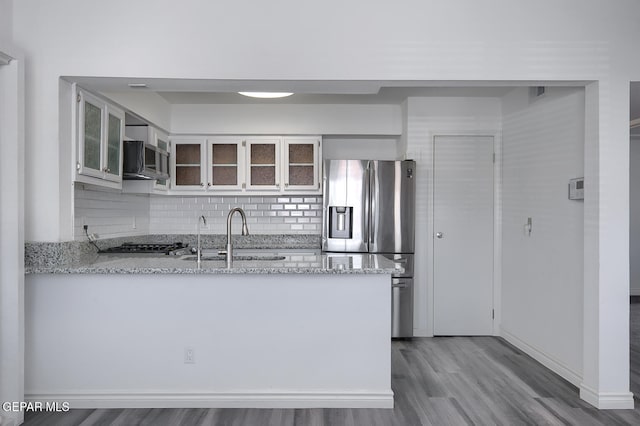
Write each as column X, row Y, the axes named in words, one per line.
column 296, row 261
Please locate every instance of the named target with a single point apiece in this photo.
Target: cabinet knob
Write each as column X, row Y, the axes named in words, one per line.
column 208, row 183
column 201, row 184
column 286, row 185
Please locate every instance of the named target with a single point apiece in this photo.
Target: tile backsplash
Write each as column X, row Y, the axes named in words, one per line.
column 113, row 214
column 265, row 215
column 110, row 214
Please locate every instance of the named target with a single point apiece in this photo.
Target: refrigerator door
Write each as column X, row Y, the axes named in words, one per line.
column 345, row 210
column 392, row 194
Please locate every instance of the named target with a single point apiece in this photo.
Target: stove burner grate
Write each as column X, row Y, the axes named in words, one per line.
column 145, row 248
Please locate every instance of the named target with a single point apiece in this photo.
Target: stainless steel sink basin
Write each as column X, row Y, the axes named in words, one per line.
column 220, row 257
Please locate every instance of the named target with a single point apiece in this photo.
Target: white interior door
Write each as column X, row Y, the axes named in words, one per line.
column 463, row 235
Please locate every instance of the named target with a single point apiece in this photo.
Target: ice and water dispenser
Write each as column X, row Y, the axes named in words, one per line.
column 340, row 222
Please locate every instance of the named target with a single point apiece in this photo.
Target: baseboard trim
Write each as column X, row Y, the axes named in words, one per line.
column 220, row 400
column 543, row 358
column 607, row 400
column 421, row 332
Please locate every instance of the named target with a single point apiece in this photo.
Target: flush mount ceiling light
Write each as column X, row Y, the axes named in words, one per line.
column 266, row 95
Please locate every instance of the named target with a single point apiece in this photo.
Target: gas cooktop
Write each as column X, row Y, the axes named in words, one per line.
column 166, row 248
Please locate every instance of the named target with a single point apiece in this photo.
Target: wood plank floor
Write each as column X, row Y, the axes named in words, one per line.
column 439, row 381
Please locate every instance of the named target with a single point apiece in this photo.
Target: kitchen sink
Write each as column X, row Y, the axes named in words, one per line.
column 221, row 257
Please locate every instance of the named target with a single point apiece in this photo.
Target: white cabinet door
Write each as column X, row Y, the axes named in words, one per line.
column 301, row 163
column 91, row 113
column 263, row 163
column 100, row 134
column 463, row 240
column 187, row 171
column 113, row 144
column 161, row 140
column 225, row 165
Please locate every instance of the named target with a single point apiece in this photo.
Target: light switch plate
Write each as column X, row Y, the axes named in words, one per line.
column 576, row 189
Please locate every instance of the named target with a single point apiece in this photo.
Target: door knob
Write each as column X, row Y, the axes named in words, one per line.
column 439, row 234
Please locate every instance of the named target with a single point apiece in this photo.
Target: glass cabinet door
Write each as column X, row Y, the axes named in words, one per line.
column 113, row 146
column 188, row 164
column 162, row 143
column 225, row 163
column 301, row 163
column 100, row 134
column 90, row 133
column 263, row 158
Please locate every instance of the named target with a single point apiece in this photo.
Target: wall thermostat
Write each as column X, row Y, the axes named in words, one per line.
column 576, row 189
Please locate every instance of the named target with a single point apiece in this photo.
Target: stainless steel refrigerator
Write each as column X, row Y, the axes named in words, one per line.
column 369, row 207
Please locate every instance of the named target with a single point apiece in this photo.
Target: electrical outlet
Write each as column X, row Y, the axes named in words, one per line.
column 189, row 355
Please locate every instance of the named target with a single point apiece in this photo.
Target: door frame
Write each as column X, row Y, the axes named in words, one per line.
column 497, row 219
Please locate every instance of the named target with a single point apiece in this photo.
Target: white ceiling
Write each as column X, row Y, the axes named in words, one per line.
column 189, row 91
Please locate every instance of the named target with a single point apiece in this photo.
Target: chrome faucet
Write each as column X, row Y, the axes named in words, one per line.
column 204, row 221
column 228, row 252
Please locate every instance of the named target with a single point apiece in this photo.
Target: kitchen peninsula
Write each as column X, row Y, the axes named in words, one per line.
column 304, row 330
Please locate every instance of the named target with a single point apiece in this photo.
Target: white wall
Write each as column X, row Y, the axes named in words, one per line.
column 12, row 174
column 286, row 119
column 427, row 41
column 634, row 216
column 542, row 273
column 427, row 117
column 6, row 24
column 361, row 148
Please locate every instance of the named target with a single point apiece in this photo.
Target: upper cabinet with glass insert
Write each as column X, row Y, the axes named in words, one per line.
column 246, row 164
column 225, row 163
column 100, row 131
column 301, row 163
column 263, row 163
column 188, row 167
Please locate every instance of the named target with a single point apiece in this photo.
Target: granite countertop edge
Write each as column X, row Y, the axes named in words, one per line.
column 80, row 270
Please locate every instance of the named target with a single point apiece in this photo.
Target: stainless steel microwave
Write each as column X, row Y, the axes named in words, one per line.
column 144, row 161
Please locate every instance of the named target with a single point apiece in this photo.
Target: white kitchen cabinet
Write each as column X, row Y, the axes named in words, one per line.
column 225, row 168
column 301, row 163
column 161, row 140
column 263, row 163
column 207, row 165
column 260, row 165
column 188, row 167
column 100, row 131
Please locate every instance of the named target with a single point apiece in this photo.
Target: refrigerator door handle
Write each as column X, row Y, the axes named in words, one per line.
column 370, row 203
column 367, row 207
